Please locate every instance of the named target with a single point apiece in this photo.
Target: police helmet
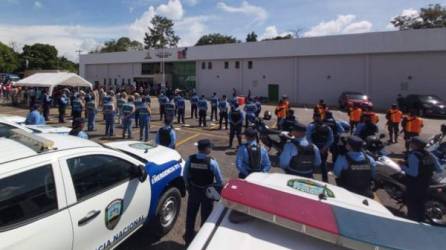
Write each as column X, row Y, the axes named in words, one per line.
column 267, row 115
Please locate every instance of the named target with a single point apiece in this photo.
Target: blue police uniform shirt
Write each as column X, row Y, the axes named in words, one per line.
column 108, row 111
column 82, row 135
column 258, row 106
column 181, row 103
column 142, row 109
column 163, row 99
column 250, row 108
column 34, row 118
column 359, row 128
column 194, row 99
column 242, row 159
column 242, row 116
column 223, row 105
column 202, row 104
column 127, row 110
column 290, row 150
column 413, row 163
column 214, row 167
column 173, row 138
column 63, row 100
column 310, row 131
column 46, row 100
column 339, row 127
column 214, row 101
column 76, row 105
column 341, row 163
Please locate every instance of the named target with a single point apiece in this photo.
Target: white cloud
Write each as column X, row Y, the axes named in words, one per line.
column 190, row 29
column 172, row 10
column 259, row 13
column 271, row 32
column 343, row 24
column 38, row 4
column 410, row 13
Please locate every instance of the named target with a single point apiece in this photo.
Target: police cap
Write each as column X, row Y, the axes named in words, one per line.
column 355, row 142
column 297, row 126
column 203, row 144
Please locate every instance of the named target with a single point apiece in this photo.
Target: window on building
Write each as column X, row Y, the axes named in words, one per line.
column 27, row 195
column 109, row 80
column 115, row 81
column 226, row 65
column 129, row 81
column 249, row 64
column 203, row 65
column 105, row 81
column 150, row 68
column 123, row 81
column 209, row 65
column 95, row 173
column 237, row 64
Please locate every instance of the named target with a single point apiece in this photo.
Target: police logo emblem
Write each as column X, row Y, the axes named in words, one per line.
column 310, row 187
column 113, row 213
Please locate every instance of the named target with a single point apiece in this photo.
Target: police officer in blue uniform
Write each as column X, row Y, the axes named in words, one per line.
column 91, row 115
column 47, row 100
column 163, row 100
column 169, row 112
column 250, row 112
column 109, row 116
column 214, row 106
column 128, row 114
column 233, row 101
column 34, row 117
column 166, row 136
column 144, row 120
column 299, row 157
column 181, row 109
column 223, row 107
column 62, row 105
column 138, row 103
column 419, row 168
column 119, row 104
column 251, row 156
column 78, row 128
column 200, row 173
column 337, row 129
column 287, row 123
column 366, row 128
column 258, row 106
column 76, row 107
column 202, row 111
column 148, row 99
column 194, row 105
column 235, row 124
column 355, row 169
column 321, row 135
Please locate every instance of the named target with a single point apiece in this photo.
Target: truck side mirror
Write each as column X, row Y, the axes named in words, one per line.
column 139, row 172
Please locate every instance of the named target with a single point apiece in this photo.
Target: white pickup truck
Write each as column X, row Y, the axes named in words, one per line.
column 63, row 192
column 11, row 122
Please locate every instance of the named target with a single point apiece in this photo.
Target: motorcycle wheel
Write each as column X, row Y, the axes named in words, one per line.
column 435, row 212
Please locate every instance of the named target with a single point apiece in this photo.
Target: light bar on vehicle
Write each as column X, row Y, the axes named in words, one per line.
column 32, row 141
column 337, row 225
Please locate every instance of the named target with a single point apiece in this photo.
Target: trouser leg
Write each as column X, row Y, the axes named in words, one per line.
column 193, row 204
column 206, row 208
column 324, row 171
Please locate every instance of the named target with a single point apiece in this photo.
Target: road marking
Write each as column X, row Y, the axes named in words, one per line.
column 187, row 139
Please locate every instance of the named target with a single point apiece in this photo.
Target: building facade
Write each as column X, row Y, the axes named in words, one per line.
column 380, row 64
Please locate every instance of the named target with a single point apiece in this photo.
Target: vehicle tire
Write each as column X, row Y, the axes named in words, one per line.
column 167, row 211
column 435, row 212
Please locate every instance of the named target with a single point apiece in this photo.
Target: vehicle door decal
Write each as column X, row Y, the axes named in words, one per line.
column 113, row 213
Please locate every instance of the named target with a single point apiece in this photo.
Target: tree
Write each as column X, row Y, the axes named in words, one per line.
column 9, row 61
column 40, row 56
column 289, row 36
column 122, row 44
column 68, row 65
column 216, row 38
column 161, row 34
column 434, row 16
column 251, row 37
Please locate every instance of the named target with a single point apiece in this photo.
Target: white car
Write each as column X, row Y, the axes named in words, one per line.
column 279, row 211
column 63, row 192
column 10, row 122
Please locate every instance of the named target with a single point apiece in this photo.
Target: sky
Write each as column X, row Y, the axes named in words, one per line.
column 86, row 24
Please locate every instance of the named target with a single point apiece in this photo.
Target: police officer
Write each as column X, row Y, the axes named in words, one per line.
column 200, row 173
column 91, row 114
column 214, row 106
column 138, row 103
column 251, row 157
column 287, row 123
column 194, row 105
column 337, row 129
column 163, row 100
column 223, row 107
column 412, row 125
column 258, row 106
column 202, row 111
column 128, row 114
column 235, row 124
column 233, row 100
column 62, row 103
column 109, row 116
column 366, row 128
column 321, row 108
column 148, row 99
column 321, row 135
column 394, row 117
column 169, row 112
column 355, row 169
column 119, row 104
column 34, row 117
column 166, row 136
column 78, row 128
column 299, row 157
column 76, row 107
column 144, row 120
column 181, row 109
column 250, row 111
column 419, row 168
column 46, row 105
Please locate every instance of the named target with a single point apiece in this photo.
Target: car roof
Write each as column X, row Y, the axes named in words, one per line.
column 353, row 93
column 12, row 150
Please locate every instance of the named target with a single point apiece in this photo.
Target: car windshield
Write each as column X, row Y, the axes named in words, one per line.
column 431, row 98
column 357, row 96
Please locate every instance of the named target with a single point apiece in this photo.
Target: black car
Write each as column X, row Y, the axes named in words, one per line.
column 425, row 105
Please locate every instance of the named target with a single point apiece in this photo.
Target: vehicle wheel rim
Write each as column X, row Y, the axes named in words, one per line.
column 436, row 212
column 168, row 212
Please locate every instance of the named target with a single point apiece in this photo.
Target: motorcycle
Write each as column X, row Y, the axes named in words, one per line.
column 271, row 138
column 391, row 178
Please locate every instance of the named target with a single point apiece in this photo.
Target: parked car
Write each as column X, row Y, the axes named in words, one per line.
column 10, row 122
column 347, row 99
column 5, row 77
column 425, row 105
column 64, row 192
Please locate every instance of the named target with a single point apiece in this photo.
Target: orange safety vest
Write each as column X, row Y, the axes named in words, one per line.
column 414, row 125
column 355, row 114
column 395, row 115
column 281, row 111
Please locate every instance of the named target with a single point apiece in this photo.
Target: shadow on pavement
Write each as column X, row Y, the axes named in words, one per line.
column 144, row 239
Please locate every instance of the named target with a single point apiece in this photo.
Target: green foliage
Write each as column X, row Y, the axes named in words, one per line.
column 40, row 56
column 251, row 37
column 68, row 65
column 9, row 61
column 161, row 34
column 216, row 38
column 122, row 44
column 434, row 16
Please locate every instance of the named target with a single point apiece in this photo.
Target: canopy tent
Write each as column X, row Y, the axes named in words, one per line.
column 51, row 80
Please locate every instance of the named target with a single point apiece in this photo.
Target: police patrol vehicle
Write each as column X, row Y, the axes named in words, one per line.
column 63, row 192
column 279, row 211
column 10, row 122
